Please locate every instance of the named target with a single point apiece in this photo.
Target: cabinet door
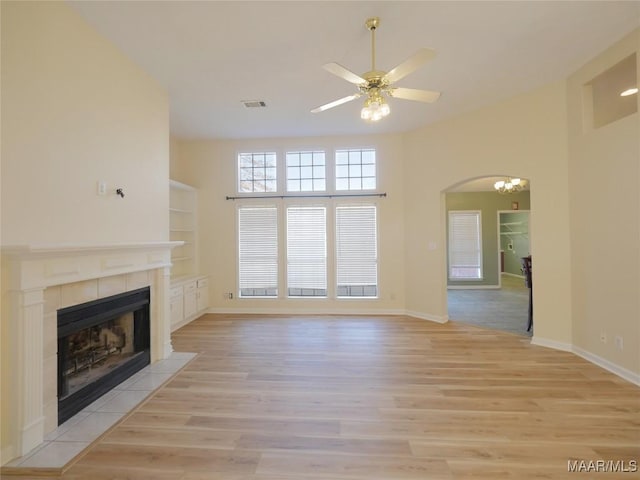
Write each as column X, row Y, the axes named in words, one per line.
column 203, row 298
column 176, row 307
column 190, row 304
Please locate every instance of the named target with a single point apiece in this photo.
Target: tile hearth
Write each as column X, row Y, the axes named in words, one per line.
column 77, row 433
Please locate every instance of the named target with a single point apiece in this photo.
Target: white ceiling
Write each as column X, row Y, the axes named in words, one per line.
column 212, row 55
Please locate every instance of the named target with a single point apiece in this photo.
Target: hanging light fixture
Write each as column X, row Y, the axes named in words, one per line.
column 375, row 107
column 510, row 185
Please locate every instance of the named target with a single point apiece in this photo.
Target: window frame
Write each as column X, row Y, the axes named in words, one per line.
column 239, row 168
column 361, row 177
column 376, row 209
column 325, row 178
column 287, row 241
column 265, row 206
column 330, row 199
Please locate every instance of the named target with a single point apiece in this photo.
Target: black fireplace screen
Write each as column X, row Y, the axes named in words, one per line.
column 100, row 344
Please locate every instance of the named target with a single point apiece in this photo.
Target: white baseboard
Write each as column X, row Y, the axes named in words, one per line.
column 512, row 275
column 473, row 287
column 621, row 372
column 333, row 311
column 304, row 311
column 607, row 365
column 545, row 342
column 427, row 316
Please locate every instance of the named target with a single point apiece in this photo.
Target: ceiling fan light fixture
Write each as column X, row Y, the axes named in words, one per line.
column 377, row 83
column 374, row 109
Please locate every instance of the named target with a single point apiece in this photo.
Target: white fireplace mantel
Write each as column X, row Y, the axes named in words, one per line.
column 27, row 270
column 43, row 265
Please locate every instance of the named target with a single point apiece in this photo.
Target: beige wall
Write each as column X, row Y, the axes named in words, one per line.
column 75, row 111
column 211, row 166
column 604, row 167
column 524, row 136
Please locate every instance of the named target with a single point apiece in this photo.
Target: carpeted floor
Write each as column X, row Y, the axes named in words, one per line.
column 502, row 309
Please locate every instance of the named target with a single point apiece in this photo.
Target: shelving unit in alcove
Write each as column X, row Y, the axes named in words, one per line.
column 183, row 227
column 189, row 293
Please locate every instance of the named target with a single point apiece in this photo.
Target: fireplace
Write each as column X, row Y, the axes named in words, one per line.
column 100, row 344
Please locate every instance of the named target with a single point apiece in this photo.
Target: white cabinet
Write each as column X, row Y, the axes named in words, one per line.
column 189, row 299
column 202, row 294
column 176, row 305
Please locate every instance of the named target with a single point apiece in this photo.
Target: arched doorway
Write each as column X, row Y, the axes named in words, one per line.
column 487, row 234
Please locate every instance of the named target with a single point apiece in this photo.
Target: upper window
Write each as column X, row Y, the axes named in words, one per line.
column 257, row 172
column 356, row 169
column 306, row 172
column 465, row 245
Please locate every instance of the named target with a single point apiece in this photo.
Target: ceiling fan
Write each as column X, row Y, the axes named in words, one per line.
column 376, row 84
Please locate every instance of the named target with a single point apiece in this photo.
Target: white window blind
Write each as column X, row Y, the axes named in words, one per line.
column 306, row 251
column 356, row 251
column 258, row 251
column 465, row 245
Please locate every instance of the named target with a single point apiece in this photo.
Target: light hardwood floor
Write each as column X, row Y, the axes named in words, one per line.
column 367, row 398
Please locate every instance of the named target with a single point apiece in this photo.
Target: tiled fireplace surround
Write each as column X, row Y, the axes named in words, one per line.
column 36, row 282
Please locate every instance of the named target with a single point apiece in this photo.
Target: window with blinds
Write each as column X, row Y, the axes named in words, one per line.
column 465, row 245
column 306, row 251
column 356, row 251
column 258, row 251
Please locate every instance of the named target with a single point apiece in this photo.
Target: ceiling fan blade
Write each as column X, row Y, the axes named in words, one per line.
column 335, row 103
column 410, row 65
column 413, row 94
column 344, row 73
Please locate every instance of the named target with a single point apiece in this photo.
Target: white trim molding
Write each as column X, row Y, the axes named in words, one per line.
column 590, row 357
column 427, row 316
column 546, row 342
column 473, row 287
column 609, row 366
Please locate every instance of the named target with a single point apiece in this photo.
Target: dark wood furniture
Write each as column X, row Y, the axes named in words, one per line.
column 526, row 270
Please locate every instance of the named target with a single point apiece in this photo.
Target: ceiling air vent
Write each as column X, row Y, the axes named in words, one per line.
column 254, row 103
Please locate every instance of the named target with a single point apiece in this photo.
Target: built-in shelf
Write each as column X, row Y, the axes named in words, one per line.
column 182, row 227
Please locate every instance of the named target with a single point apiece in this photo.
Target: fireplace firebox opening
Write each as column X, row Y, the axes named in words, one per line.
column 100, row 344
